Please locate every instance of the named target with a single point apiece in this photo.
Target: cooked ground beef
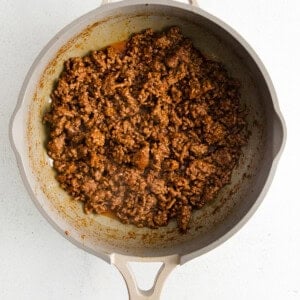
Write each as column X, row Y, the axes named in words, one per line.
column 147, row 130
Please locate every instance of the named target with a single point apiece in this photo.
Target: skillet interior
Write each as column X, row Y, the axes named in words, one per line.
column 101, row 234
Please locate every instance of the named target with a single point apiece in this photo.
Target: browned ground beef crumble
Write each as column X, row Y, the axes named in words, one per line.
column 147, row 131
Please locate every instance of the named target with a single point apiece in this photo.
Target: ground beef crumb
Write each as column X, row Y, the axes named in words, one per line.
column 147, row 130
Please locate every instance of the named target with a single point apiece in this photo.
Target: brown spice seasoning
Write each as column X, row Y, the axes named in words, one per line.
column 145, row 130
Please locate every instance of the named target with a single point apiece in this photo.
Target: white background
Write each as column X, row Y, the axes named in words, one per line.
column 262, row 261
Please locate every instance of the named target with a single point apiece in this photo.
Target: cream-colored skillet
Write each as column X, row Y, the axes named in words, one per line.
column 104, row 236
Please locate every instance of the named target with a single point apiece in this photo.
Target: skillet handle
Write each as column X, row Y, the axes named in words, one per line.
column 192, row 2
column 134, row 292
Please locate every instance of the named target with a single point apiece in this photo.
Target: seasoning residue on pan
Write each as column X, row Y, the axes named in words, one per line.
column 146, row 130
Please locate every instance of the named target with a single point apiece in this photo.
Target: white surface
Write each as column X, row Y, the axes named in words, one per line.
column 261, row 261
